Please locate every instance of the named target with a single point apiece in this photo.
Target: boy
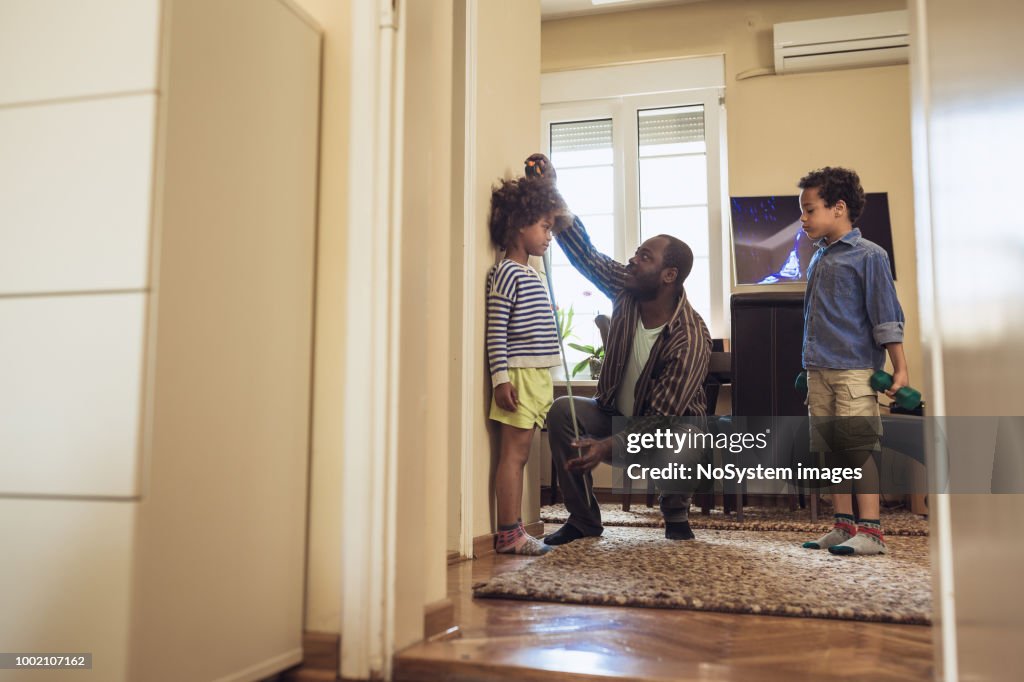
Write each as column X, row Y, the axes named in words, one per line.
column 522, row 342
column 851, row 314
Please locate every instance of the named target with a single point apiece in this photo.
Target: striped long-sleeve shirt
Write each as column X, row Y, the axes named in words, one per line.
column 520, row 325
column 672, row 382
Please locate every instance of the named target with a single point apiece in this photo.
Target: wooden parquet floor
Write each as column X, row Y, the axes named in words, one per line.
column 515, row 640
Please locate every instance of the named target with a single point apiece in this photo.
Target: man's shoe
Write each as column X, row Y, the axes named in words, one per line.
column 678, row 530
column 565, row 535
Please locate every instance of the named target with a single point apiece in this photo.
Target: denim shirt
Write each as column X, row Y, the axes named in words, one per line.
column 850, row 306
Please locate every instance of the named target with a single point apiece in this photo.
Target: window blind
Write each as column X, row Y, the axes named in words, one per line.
column 671, row 126
column 576, row 136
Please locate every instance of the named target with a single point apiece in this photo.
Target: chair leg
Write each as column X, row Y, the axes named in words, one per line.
column 650, row 493
column 814, row 506
column 627, row 483
column 739, row 503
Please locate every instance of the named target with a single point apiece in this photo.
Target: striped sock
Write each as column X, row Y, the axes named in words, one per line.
column 515, row 540
column 842, row 530
column 869, row 540
column 872, row 528
column 509, row 535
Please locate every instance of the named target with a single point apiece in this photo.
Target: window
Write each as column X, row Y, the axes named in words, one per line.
column 583, row 155
column 633, row 166
column 673, row 180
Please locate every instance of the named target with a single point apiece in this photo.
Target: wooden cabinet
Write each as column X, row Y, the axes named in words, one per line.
column 767, row 337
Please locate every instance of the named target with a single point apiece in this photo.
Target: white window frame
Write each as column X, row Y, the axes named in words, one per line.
column 618, row 92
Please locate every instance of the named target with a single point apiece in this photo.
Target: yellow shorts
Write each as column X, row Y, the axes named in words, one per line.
column 533, row 385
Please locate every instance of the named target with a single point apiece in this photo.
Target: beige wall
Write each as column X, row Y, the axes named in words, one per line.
column 323, row 585
column 779, row 127
column 507, row 98
column 220, row 536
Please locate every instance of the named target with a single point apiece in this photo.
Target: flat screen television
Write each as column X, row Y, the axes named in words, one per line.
column 769, row 247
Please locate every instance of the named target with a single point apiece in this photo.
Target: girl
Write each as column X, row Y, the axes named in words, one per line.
column 522, row 342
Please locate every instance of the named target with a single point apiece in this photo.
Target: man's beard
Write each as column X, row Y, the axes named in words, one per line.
column 644, row 288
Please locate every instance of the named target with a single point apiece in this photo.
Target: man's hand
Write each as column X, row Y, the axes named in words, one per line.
column 594, row 452
column 540, row 166
column 900, row 379
column 506, row 396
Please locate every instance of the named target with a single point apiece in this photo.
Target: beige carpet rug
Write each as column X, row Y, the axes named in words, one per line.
column 897, row 522
column 730, row 571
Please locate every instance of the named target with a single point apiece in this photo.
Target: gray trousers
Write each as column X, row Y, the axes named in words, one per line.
column 584, row 512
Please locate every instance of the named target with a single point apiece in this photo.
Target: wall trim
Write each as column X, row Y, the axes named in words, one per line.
column 320, row 660
column 438, row 617
column 266, row 668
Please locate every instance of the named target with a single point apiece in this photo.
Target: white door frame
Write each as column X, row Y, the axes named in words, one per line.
column 471, row 374
column 368, row 504
column 940, row 521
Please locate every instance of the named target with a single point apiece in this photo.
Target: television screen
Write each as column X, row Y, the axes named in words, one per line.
column 770, row 248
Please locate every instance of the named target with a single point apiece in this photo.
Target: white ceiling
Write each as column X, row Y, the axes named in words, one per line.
column 558, row 9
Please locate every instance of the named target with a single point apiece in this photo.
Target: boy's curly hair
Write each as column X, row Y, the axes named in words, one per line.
column 834, row 184
column 519, row 203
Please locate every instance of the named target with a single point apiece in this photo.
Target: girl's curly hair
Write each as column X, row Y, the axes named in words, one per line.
column 519, row 203
column 833, row 184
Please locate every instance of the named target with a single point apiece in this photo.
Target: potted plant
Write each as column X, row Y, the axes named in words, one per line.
column 594, row 359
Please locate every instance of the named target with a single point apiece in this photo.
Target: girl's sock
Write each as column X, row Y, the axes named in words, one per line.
column 514, row 539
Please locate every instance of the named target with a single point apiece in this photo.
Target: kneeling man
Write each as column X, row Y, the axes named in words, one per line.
column 656, row 361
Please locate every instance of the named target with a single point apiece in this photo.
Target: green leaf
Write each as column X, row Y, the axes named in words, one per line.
column 564, row 322
column 589, row 350
column 579, row 367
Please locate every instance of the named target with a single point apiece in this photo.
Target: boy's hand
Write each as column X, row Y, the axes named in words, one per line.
column 506, row 396
column 899, row 380
column 593, row 453
column 538, row 165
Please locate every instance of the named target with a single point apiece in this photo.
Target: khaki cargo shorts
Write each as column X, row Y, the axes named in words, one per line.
column 844, row 410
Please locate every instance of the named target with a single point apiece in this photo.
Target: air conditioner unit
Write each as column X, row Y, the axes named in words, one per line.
column 842, row 42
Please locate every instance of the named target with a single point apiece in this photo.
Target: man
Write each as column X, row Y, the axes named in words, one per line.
column 656, row 361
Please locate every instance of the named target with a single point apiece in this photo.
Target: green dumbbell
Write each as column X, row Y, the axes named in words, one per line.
column 908, row 398
column 801, row 382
